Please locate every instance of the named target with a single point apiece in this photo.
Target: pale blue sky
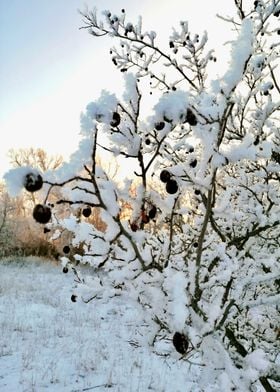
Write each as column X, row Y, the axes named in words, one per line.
column 49, row 69
column 38, row 39
column 40, row 46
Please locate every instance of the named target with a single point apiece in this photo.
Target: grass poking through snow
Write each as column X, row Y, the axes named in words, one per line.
column 49, row 343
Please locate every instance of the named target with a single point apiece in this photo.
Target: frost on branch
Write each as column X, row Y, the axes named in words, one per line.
column 192, row 235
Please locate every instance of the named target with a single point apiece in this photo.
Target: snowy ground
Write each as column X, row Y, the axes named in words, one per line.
column 49, row 343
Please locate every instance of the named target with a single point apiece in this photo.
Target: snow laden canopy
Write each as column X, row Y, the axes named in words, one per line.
column 192, row 234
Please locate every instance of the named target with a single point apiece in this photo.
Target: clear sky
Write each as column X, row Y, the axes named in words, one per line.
column 50, row 69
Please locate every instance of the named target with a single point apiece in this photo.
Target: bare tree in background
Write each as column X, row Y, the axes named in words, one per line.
column 35, row 157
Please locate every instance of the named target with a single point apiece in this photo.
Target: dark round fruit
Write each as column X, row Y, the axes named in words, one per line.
column 171, row 187
column 66, row 249
column 195, row 244
column 191, row 150
column 193, row 163
column 134, row 226
column 65, row 270
column 42, row 213
column 148, row 141
column 116, row 119
column 190, row 117
column 197, row 192
column 73, row 298
column 33, row 182
column 152, row 212
column 86, row 212
column 145, row 218
column 164, row 175
column 159, row 125
column 180, row 342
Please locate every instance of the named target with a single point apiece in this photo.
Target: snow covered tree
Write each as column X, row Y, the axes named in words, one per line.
column 200, row 249
column 36, row 157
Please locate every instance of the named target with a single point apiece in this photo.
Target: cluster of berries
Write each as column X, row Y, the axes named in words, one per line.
column 171, row 185
column 144, row 218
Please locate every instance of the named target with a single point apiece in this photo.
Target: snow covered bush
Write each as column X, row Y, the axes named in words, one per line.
column 200, row 248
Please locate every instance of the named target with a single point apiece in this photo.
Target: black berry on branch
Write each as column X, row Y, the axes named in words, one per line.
column 180, row 342
column 66, row 249
column 152, row 212
column 33, row 182
column 42, row 213
column 191, row 118
column 193, row 163
column 159, row 125
column 116, row 119
column 164, row 176
column 171, row 187
column 134, row 227
column 73, row 298
column 86, row 212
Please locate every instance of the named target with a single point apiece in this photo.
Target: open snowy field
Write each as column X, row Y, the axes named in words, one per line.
column 49, row 343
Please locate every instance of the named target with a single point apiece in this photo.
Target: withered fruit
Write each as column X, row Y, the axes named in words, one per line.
column 193, row 163
column 42, row 213
column 152, row 212
column 159, row 125
column 66, row 249
column 86, row 212
column 171, row 187
column 33, row 182
column 145, row 218
column 134, row 226
column 180, row 342
column 116, row 119
column 190, row 117
column 164, row 176
column 73, row 298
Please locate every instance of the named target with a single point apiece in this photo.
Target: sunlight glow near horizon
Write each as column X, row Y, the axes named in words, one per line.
column 45, row 111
